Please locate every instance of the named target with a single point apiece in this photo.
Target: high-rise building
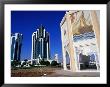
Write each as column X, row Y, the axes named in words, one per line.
column 80, row 34
column 16, row 44
column 40, row 45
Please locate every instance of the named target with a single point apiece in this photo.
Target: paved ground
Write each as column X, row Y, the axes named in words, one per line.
column 63, row 73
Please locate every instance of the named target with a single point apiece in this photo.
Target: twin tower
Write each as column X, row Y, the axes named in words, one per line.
column 40, row 45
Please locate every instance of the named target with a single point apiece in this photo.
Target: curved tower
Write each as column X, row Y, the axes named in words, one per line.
column 40, row 44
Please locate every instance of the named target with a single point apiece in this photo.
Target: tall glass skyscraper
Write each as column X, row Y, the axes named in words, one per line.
column 40, row 44
column 16, row 44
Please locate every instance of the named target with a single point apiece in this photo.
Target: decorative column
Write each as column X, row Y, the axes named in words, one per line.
column 71, row 49
column 96, row 26
column 63, row 51
column 76, row 61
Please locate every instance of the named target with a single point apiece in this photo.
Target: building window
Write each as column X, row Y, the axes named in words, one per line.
column 64, row 32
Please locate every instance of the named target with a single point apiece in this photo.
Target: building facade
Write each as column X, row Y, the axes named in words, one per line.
column 16, row 44
column 80, row 34
column 40, row 45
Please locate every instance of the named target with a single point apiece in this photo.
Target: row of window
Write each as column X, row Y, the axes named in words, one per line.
column 84, row 36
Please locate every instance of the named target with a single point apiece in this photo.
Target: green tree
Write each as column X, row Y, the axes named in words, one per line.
column 47, row 63
column 42, row 62
column 25, row 61
column 14, row 63
column 54, row 63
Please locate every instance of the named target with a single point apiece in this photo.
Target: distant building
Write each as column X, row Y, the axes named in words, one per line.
column 40, row 45
column 80, row 34
column 16, row 44
column 56, row 58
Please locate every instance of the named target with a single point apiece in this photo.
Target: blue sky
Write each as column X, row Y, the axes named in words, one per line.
column 27, row 22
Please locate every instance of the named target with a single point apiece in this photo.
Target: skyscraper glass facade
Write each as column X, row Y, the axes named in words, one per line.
column 16, row 44
column 40, row 44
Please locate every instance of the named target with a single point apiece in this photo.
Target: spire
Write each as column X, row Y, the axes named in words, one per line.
column 41, row 26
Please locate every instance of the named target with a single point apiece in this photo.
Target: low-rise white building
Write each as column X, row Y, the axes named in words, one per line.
column 56, row 58
column 80, row 35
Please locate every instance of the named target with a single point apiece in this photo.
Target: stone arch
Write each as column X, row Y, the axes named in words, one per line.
column 66, row 59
